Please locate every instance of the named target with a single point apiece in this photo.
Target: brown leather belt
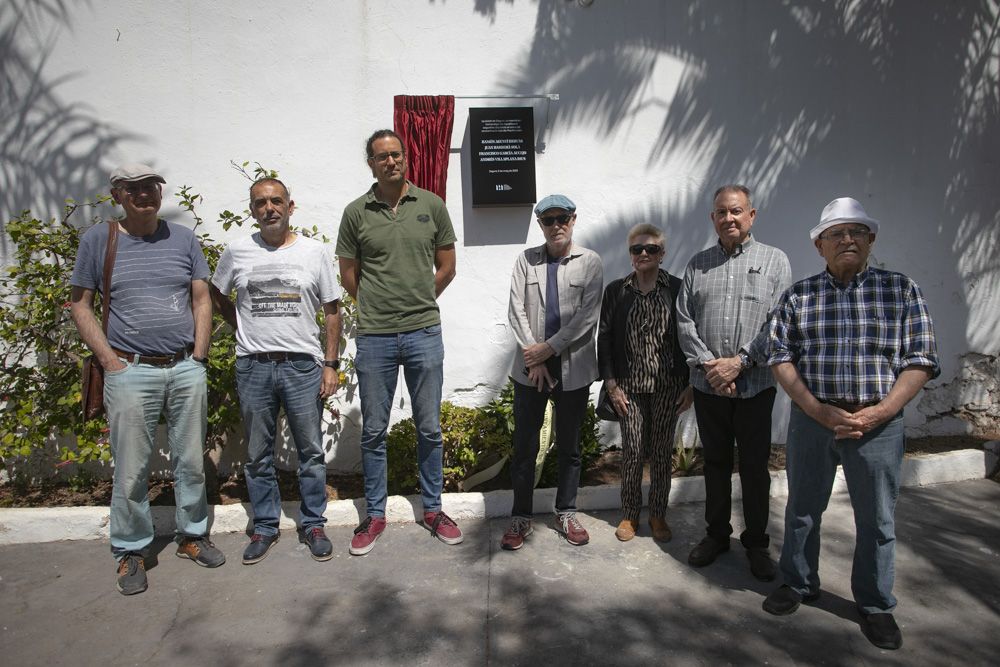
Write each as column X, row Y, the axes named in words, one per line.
column 850, row 407
column 280, row 356
column 153, row 360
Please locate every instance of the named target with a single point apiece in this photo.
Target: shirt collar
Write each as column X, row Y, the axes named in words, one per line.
column 661, row 280
column 740, row 247
column 859, row 278
column 411, row 193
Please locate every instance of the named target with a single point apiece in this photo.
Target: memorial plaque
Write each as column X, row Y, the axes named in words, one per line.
column 503, row 156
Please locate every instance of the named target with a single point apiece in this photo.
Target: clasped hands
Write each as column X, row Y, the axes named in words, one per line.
column 721, row 373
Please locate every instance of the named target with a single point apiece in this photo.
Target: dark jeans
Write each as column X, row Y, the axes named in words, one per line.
column 529, row 413
column 721, row 420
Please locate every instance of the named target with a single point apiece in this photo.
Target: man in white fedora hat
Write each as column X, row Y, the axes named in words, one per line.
column 851, row 346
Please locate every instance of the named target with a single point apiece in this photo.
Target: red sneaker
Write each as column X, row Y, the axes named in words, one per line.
column 567, row 524
column 519, row 529
column 442, row 527
column 366, row 534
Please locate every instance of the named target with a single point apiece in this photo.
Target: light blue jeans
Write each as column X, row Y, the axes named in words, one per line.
column 379, row 356
column 871, row 467
column 265, row 386
column 134, row 398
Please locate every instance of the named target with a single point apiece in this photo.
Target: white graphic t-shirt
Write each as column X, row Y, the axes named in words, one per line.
column 278, row 293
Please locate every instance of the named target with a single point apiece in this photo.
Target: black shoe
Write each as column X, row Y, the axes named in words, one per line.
column 259, row 545
column 761, row 564
column 881, row 630
column 320, row 547
column 784, row 600
column 131, row 574
column 707, row 551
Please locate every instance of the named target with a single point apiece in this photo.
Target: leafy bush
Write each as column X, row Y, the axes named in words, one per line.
column 474, row 438
column 41, row 353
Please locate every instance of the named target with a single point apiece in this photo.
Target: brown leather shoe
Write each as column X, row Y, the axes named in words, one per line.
column 661, row 530
column 626, row 530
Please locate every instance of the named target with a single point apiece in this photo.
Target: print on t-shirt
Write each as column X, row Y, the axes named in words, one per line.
column 274, row 291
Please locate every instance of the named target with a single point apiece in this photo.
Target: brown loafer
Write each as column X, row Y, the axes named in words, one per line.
column 661, row 530
column 626, row 530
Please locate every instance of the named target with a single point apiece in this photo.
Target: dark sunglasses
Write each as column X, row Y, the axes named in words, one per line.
column 650, row 248
column 550, row 220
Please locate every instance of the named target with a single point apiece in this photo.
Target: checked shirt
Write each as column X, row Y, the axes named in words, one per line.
column 851, row 342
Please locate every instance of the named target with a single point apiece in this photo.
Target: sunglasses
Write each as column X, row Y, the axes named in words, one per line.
column 650, row 248
column 550, row 220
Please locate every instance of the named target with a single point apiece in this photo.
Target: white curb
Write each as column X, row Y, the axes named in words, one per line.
column 31, row 525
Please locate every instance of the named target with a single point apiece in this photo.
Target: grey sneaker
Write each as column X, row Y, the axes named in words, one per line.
column 131, row 574
column 259, row 545
column 201, row 551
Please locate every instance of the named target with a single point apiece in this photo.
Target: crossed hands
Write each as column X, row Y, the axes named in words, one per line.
column 847, row 425
column 721, row 373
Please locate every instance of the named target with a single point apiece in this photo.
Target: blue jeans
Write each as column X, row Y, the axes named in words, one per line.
column 264, row 387
column 871, row 468
column 135, row 397
column 379, row 356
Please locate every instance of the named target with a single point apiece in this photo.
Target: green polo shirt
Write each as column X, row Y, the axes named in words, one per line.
column 396, row 252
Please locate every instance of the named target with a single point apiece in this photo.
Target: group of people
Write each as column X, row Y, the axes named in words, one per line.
column 850, row 345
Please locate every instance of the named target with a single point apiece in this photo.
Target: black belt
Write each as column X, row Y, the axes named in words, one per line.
column 280, row 356
column 850, row 407
column 154, row 360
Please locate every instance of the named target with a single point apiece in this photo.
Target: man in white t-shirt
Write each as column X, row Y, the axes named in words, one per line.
column 281, row 279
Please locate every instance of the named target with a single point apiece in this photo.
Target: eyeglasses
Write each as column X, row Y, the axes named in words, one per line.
column 550, row 220
column 650, row 248
column 383, row 157
column 138, row 188
column 857, row 233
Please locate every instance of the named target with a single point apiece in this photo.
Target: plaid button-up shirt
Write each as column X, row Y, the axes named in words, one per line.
column 724, row 305
column 850, row 342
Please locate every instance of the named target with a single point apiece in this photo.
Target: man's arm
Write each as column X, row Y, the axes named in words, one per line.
column 696, row 352
column 333, row 326
column 909, row 382
column 350, row 274
column 201, row 307
column 81, row 309
column 224, row 306
column 444, row 263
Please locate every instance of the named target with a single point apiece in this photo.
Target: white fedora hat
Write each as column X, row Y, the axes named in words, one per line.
column 839, row 211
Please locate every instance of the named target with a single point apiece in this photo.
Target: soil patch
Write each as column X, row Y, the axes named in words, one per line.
column 82, row 491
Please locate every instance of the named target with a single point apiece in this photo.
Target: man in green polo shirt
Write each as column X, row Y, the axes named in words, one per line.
column 396, row 248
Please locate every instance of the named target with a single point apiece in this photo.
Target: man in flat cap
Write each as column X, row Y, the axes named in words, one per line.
column 851, row 346
column 396, row 249
column 154, row 357
column 728, row 291
column 555, row 303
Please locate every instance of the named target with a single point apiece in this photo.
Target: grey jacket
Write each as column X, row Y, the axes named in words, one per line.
column 581, row 279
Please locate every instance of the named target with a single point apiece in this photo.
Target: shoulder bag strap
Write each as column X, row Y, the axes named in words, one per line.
column 109, row 265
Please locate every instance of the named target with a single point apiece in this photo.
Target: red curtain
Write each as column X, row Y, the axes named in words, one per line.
column 424, row 122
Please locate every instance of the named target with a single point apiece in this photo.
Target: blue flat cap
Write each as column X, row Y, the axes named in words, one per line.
column 555, row 201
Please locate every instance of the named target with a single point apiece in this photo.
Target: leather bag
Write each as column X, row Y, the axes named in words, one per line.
column 92, row 380
column 604, row 409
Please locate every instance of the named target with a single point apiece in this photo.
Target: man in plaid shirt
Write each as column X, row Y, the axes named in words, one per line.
column 722, row 309
column 851, row 346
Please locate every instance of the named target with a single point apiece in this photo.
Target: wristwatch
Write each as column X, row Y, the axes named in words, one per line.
column 745, row 361
column 334, row 364
column 201, row 360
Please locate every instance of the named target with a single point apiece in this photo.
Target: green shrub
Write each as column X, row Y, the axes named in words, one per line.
column 474, row 438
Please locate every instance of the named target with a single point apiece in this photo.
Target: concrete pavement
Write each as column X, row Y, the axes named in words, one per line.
column 416, row 601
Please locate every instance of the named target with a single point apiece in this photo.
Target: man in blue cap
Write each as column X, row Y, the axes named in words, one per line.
column 555, row 301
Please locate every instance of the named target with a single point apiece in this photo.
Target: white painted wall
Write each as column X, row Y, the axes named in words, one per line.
column 895, row 104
